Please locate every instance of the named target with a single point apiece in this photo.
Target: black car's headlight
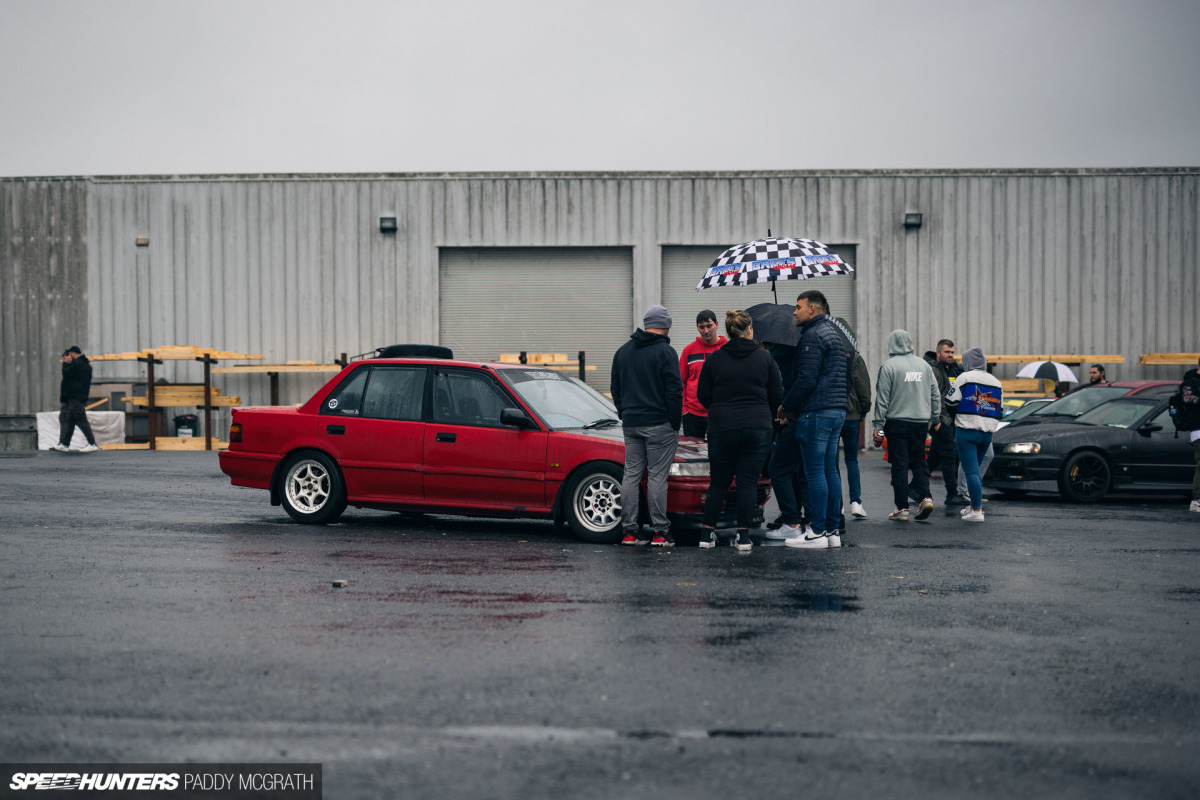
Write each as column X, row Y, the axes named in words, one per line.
column 690, row 469
column 1022, row 448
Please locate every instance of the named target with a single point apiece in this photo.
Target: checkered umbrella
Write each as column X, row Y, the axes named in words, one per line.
column 773, row 259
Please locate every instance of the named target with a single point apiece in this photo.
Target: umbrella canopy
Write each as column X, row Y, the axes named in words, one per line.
column 1048, row 370
column 774, row 323
column 773, row 259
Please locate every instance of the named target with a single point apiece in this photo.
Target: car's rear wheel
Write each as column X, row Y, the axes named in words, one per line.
column 1085, row 477
column 312, row 489
column 593, row 504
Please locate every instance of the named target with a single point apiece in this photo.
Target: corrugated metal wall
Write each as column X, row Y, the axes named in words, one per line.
column 295, row 267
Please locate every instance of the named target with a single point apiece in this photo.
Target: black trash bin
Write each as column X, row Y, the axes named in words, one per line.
column 187, row 425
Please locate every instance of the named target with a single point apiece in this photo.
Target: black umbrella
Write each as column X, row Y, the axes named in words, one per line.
column 774, row 323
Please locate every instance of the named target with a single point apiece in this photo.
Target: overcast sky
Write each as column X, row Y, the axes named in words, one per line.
column 104, row 87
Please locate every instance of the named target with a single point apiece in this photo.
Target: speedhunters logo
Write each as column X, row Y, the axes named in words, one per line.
column 225, row 781
column 136, row 781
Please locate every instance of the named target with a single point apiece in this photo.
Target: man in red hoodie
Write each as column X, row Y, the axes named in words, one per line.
column 695, row 415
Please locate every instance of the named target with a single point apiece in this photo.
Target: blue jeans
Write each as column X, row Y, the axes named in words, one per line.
column 972, row 447
column 850, row 450
column 817, row 432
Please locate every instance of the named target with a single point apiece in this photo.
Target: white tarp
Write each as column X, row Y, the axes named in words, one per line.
column 107, row 426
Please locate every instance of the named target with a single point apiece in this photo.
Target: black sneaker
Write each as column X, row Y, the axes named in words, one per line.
column 958, row 500
column 742, row 542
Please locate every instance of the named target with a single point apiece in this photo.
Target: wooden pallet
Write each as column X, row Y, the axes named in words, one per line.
column 175, row 352
column 174, row 395
column 169, row 443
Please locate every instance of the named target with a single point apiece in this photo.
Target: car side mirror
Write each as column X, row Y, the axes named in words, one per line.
column 516, row 417
column 1149, row 428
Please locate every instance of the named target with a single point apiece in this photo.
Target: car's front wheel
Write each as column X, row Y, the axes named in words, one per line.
column 1085, row 477
column 312, row 489
column 593, row 504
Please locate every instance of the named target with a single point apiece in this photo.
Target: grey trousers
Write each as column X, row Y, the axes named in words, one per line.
column 649, row 449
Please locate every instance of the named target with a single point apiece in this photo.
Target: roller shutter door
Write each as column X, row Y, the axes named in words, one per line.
column 495, row 300
column 684, row 266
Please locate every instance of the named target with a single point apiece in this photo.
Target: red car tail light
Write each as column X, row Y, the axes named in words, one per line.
column 235, row 432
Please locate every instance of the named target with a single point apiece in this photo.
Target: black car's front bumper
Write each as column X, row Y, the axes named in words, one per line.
column 1025, row 472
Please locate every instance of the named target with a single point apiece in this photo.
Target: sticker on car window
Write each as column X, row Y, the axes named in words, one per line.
column 542, row 376
column 333, row 403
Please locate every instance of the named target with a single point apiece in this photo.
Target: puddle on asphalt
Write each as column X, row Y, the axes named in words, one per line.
column 821, row 601
column 940, row 546
column 1185, row 594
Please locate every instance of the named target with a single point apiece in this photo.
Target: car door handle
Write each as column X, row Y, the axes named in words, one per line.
column 446, row 437
column 336, row 430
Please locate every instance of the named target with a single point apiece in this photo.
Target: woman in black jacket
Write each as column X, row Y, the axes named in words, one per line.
column 741, row 387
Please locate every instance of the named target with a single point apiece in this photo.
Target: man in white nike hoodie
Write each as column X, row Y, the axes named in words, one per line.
column 907, row 406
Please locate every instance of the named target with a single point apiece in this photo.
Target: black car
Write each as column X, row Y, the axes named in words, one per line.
column 1085, row 398
column 1127, row 444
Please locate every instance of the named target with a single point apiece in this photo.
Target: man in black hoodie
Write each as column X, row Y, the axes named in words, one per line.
column 76, row 384
column 648, row 392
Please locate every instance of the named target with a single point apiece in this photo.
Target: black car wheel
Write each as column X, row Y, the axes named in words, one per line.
column 593, row 504
column 1085, row 477
column 312, row 489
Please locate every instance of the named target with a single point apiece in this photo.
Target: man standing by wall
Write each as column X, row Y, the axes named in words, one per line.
column 907, row 406
column 942, row 449
column 73, row 393
column 695, row 415
column 817, row 402
column 648, row 393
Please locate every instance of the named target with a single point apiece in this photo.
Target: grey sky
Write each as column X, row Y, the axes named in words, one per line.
column 164, row 87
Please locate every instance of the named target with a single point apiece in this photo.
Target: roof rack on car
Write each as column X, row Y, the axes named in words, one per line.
column 407, row 351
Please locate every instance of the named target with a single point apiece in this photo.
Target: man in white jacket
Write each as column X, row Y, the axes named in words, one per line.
column 978, row 398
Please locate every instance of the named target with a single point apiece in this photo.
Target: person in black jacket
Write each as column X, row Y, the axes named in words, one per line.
column 647, row 390
column 740, row 386
column 816, row 406
column 76, row 384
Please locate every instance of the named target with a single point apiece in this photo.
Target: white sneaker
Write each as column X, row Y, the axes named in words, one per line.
column 784, row 532
column 815, row 541
column 90, row 448
column 972, row 516
column 857, row 510
column 1195, row 506
column 62, row 448
column 835, row 539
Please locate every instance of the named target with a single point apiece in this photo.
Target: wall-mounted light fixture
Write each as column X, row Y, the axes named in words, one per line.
column 912, row 220
column 387, row 224
column 142, row 241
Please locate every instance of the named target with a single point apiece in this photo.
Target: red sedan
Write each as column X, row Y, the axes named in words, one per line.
column 493, row 440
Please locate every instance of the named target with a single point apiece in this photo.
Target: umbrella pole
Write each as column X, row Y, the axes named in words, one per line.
column 774, row 294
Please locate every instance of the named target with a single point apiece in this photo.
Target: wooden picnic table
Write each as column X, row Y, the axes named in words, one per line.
column 187, row 352
column 273, row 371
column 1170, row 359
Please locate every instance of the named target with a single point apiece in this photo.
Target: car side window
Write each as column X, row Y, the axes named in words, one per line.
column 462, row 398
column 1164, row 419
column 346, row 399
column 395, row 393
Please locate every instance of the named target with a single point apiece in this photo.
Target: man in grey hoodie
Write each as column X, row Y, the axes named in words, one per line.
column 907, row 406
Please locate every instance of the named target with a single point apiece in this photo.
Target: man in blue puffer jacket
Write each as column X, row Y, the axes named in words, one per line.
column 815, row 408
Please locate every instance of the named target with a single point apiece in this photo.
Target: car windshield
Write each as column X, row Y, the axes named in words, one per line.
column 1078, row 402
column 561, row 402
column 1121, row 413
column 1024, row 411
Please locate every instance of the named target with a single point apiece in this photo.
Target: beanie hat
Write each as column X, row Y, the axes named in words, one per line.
column 974, row 359
column 657, row 317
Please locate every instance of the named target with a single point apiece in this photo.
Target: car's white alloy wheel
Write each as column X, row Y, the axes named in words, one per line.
column 307, row 486
column 597, row 502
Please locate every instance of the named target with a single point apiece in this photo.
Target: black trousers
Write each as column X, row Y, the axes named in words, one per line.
column 906, row 450
column 739, row 452
column 695, row 425
column 942, row 443
column 72, row 414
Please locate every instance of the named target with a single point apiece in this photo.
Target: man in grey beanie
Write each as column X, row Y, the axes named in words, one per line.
column 648, row 392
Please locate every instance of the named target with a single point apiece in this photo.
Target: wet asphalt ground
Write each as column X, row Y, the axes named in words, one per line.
column 150, row 612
